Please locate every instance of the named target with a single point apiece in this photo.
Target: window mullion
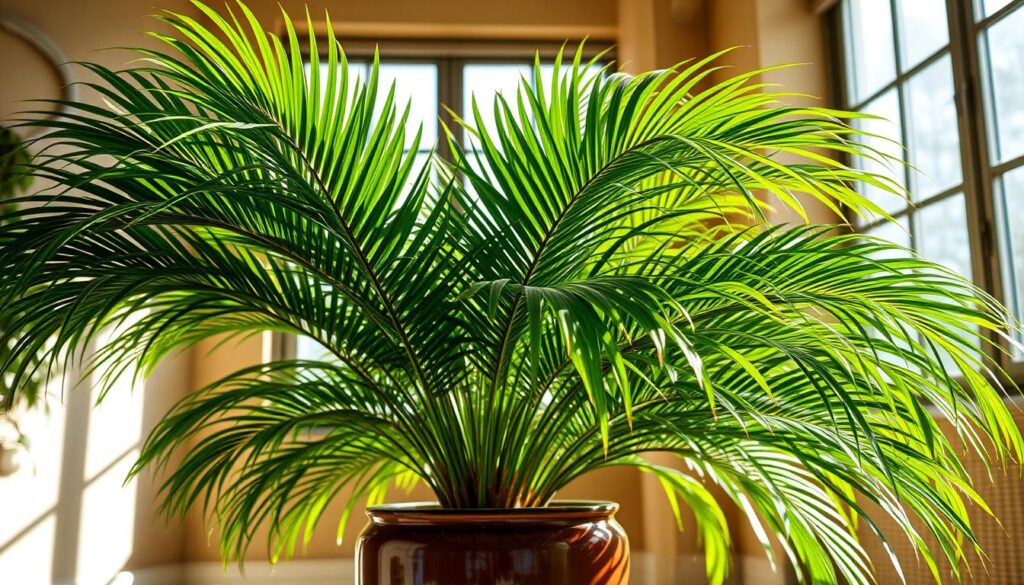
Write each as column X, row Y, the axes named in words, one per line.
column 449, row 71
column 1007, row 166
column 897, row 49
column 999, row 14
column 901, row 98
column 978, row 184
column 840, row 78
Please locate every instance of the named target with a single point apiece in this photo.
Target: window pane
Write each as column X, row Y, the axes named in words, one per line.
column 308, row 349
column 933, row 138
column 356, row 74
column 941, row 234
column 421, row 159
column 923, row 29
column 897, row 232
column 415, row 84
column 481, row 82
column 1010, row 211
column 869, row 47
column 989, row 7
column 1005, row 60
column 887, row 140
column 546, row 72
column 547, row 69
column 479, row 165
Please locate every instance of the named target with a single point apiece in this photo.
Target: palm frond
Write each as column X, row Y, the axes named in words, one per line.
column 592, row 280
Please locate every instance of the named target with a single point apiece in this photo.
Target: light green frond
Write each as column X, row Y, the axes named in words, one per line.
column 590, row 280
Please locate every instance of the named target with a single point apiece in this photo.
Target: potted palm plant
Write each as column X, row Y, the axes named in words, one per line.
column 593, row 281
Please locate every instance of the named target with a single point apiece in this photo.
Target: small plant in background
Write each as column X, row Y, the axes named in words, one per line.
column 591, row 281
column 14, row 178
column 14, row 160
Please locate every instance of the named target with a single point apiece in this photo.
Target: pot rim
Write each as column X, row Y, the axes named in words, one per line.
column 431, row 513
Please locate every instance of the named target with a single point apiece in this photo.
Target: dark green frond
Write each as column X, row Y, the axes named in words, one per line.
column 592, row 280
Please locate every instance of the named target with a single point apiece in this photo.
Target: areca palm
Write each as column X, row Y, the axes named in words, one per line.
column 590, row 280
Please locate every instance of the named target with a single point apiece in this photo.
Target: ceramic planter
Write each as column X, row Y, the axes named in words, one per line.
column 11, row 458
column 567, row 543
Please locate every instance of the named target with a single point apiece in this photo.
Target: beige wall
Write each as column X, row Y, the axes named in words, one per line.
column 652, row 33
column 543, row 12
column 762, row 33
column 767, row 33
column 67, row 517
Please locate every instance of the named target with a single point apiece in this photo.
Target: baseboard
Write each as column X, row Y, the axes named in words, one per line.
column 759, row 570
column 305, row 572
column 684, row 569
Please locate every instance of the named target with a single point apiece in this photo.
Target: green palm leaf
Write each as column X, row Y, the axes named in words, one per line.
column 593, row 280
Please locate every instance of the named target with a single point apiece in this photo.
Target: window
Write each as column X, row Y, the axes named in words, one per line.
column 432, row 85
column 416, row 83
column 947, row 76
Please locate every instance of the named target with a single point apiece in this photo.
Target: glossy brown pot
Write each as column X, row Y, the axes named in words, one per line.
column 567, row 543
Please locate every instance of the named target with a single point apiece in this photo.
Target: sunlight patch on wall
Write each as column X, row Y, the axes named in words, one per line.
column 35, row 485
column 116, row 422
column 29, row 558
column 28, row 526
column 107, row 532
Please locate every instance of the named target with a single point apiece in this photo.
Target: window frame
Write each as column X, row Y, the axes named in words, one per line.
column 451, row 58
column 979, row 175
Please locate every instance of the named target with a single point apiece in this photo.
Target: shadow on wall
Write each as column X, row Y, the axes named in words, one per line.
column 68, row 516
